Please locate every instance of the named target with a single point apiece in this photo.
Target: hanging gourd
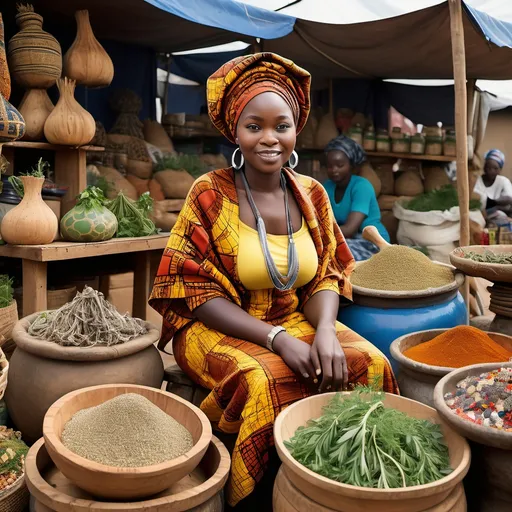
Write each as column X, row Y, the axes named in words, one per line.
column 89, row 220
column 86, row 61
column 69, row 123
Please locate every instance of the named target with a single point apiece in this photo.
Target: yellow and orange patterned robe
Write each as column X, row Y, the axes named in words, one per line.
column 249, row 385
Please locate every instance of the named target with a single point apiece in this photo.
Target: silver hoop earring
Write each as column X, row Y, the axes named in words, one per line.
column 233, row 163
column 294, row 159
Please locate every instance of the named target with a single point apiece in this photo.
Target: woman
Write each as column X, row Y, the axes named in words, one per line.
column 250, row 282
column 352, row 197
column 495, row 191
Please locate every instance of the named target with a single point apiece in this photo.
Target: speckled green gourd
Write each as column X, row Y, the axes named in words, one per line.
column 89, row 220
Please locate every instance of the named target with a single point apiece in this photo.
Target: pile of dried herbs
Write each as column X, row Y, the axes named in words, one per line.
column 6, row 290
column 441, row 199
column 133, row 216
column 504, row 258
column 357, row 441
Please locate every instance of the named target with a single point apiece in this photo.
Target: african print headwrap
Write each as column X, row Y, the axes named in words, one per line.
column 355, row 153
column 238, row 81
column 496, row 155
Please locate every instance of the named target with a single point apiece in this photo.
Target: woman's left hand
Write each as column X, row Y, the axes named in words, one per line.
column 329, row 360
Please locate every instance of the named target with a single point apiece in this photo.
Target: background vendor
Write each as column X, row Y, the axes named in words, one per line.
column 495, row 191
column 352, row 197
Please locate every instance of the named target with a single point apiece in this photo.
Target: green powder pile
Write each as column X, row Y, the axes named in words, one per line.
column 398, row 268
column 127, row 431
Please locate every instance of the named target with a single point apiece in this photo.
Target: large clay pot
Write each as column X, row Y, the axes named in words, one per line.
column 86, row 61
column 32, row 222
column 5, row 77
column 35, row 56
column 42, row 372
column 12, row 124
column 35, row 107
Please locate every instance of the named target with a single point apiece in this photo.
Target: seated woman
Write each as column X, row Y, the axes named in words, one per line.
column 250, row 282
column 495, row 191
column 352, row 197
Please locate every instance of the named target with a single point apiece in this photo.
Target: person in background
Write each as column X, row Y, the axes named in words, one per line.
column 495, row 191
column 352, row 197
column 249, row 285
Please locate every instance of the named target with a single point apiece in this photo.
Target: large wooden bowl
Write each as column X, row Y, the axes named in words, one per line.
column 124, row 483
column 348, row 498
column 418, row 380
column 494, row 272
column 487, row 436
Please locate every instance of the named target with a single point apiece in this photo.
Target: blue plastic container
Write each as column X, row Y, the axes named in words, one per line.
column 381, row 321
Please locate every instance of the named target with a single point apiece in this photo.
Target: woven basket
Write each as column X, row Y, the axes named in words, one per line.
column 8, row 318
column 15, row 498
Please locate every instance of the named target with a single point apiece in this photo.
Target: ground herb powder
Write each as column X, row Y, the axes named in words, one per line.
column 399, row 268
column 127, row 431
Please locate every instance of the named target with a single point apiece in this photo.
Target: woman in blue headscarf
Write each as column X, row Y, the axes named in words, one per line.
column 352, row 197
column 495, row 191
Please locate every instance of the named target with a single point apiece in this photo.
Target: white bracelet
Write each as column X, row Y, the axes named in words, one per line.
column 271, row 336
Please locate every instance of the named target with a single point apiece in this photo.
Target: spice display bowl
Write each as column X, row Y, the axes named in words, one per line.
column 487, row 436
column 418, row 380
column 124, row 483
column 347, row 498
column 52, row 491
column 495, row 272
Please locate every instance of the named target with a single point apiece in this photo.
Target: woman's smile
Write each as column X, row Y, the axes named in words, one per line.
column 270, row 156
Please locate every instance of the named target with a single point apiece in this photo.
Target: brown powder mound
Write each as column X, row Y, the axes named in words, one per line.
column 398, row 268
column 458, row 347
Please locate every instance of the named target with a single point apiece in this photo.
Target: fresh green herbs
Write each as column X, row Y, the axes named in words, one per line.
column 504, row 258
column 36, row 172
column 190, row 163
column 441, row 199
column 358, row 441
column 133, row 216
column 6, row 291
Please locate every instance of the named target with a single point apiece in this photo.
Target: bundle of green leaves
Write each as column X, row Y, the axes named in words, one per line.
column 442, row 199
column 6, row 291
column 358, row 441
column 37, row 172
column 133, row 216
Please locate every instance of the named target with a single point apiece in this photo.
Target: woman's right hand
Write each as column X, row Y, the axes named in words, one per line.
column 297, row 355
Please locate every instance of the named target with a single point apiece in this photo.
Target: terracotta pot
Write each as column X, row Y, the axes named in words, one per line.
column 5, row 77
column 41, row 372
column 32, row 222
column 12, row 124
column 86, row 61
column 35, row 107
column 69, row 123
column 35, row 56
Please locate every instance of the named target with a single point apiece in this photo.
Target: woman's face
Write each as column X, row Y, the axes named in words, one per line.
column 492, row 169
column 339, row 169
column 266, row 133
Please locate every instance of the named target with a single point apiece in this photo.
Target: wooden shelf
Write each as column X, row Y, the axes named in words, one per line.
column 48, row 146
column 59, row 251
column 408, row 156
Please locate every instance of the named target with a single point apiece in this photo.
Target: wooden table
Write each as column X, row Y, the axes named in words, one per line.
column 35, row 260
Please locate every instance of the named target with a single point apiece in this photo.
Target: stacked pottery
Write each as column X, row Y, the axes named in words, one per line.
column 12, row 124
column 35, row 58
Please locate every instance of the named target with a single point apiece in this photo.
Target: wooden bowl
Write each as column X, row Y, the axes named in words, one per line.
column 348, row 498
column 418, row 380
column 53, row 491
column 124, row 483
column 487, row 436
column 494, row 272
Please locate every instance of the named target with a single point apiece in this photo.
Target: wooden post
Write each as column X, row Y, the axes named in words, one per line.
column 166, row 88
column 461, row 123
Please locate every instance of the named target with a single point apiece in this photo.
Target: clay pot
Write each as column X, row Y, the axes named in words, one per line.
column 69, row 123
column 42, row 372
column 5, row 77
column 35, row 107
column 35, row 57
column 12, row 124
column 32, row 222
column 86, row 61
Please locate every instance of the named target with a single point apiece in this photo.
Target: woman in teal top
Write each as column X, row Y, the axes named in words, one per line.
column 352, row 197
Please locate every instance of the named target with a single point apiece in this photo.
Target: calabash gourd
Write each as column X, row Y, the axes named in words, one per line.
column 89, row 220
column 35, row 107
column 69, row 123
